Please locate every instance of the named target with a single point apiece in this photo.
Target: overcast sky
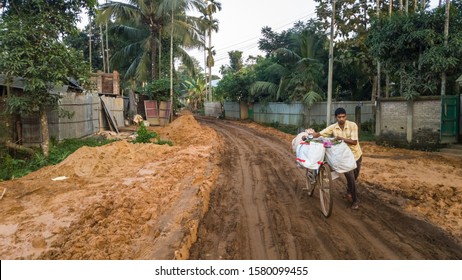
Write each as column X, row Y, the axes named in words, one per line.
column 241, row 21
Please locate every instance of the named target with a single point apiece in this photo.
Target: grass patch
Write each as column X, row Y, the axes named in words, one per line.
column 286, row 128
column 366, row 136
column 16, row 165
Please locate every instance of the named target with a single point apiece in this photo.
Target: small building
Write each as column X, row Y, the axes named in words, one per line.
column 85, row 107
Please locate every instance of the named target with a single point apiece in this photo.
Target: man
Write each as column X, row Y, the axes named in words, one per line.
column 347, row 132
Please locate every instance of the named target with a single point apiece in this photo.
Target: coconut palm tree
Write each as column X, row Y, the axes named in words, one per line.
column 143, row 14
column 146, row 25
column 185, row 31
column 298, row 70
column 211, row 24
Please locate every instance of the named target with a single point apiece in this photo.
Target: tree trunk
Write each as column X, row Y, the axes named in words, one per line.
column 102, row 48
column 210, row 66
column 107, row 52
column 132, row 103
column 45, row 134
column 160, row 54
column 205, row 70
column 171, row 72
column 153, row 55
column 14, row 146
column 89, row 44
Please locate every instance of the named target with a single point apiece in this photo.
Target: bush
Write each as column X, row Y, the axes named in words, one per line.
column 143, row 136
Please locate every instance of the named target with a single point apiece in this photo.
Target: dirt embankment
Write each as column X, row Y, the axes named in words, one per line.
column 119, row 201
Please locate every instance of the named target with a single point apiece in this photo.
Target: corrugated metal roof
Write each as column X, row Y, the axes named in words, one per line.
column 18, row 82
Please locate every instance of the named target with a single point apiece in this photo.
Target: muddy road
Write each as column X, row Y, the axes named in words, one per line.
column 257, row 211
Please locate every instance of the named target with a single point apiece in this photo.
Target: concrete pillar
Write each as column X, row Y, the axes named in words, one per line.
column 409, row 124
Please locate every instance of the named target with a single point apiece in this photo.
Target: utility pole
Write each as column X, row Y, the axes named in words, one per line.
column 89, row 42
column 378, row 61
column 331, row 64
column 102, row 48
column 446, row 35
column 107, row 51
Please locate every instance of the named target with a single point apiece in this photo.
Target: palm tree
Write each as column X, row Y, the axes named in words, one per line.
column 185, row 31
column 141, row 13
column 298, row 69
column 196, row 93
column 212, row 7
column 145, row 25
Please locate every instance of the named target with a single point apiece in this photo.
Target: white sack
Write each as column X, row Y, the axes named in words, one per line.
column 310, row 155
column 340, row 158
column 297, row 140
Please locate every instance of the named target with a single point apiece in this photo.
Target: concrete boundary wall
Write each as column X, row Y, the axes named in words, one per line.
column 402, row 122
column 212, row 109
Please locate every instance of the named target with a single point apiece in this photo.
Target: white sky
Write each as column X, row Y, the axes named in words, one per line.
column 241, row 21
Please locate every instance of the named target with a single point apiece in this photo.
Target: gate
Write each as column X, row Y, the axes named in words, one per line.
column 449, row 118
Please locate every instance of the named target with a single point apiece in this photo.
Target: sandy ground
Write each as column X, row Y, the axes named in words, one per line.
column 120, row 201
column 229, row 190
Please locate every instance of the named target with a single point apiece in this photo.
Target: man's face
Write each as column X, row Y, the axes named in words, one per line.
column 341, row 118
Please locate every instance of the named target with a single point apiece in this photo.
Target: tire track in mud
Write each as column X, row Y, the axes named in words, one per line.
column 257, row 211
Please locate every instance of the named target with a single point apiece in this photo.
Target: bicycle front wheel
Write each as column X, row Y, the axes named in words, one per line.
column 310, row 181
column 325, row 191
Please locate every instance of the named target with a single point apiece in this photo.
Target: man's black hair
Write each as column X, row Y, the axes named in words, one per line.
column 340, row 111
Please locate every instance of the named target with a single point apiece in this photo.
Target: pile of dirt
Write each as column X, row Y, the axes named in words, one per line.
column 430, row 183
column 119, row 201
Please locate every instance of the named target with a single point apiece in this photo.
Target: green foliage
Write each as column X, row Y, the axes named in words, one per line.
column 163, row 142
column 286, row 128
column 236, row 86
column 157, row 90
column 32, row 49
column 412, row 50
column 292, row 71
column 143, row 136
column 195, row 93
column 21, row 165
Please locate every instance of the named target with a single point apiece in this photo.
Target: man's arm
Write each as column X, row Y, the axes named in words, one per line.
column 354, row 134
column 348, row 141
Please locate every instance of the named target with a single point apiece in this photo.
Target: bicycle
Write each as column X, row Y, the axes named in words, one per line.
column 322, row 177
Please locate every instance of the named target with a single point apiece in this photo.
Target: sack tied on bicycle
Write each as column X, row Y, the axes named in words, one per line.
column 340, row 158
column 310, row 154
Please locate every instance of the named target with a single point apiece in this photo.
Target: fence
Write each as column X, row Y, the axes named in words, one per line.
column 86, row 118
column 296, row 114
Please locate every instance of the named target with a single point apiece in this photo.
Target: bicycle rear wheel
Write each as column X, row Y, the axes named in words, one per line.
column 325, row 191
